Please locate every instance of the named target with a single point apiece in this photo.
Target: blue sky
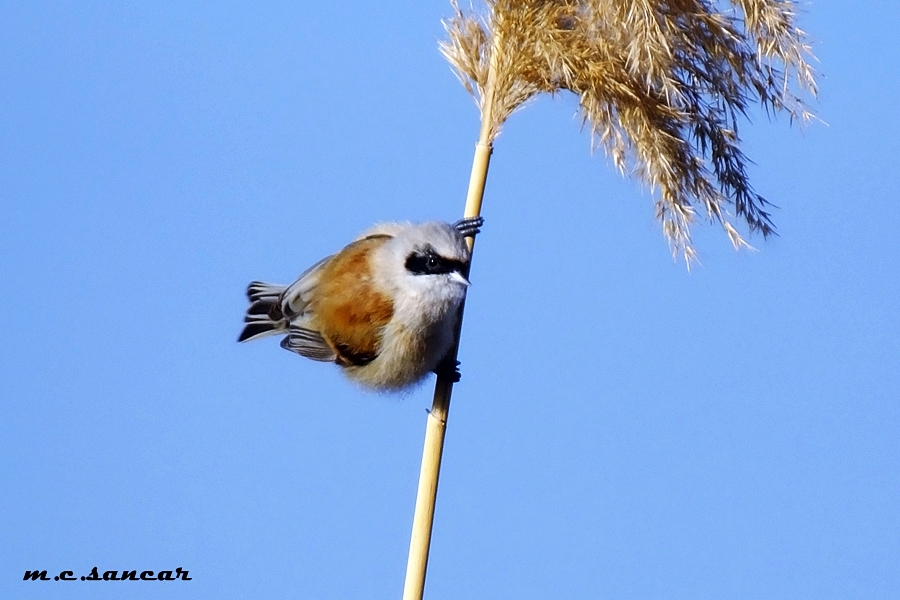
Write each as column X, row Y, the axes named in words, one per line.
column 623, row 429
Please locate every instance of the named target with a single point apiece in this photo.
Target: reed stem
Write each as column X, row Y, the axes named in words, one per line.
column 436, row 425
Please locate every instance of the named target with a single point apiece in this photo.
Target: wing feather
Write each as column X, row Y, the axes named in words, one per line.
column 308, row 343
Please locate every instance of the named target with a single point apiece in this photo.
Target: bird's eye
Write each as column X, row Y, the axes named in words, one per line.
column 427, row 262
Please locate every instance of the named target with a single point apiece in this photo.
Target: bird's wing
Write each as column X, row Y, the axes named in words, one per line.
column 295, row 298
column 308, row 343
column 294, row 302
column 342, row 296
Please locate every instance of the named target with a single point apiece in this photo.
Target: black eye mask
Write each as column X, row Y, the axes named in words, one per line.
column 428, row 262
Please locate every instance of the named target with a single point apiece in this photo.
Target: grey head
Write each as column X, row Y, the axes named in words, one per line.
column 425, row 263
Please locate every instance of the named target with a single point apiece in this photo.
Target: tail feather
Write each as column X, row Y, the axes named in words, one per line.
column 264, row 316
column 260, row 290
column 253, row 331
column 261, row 308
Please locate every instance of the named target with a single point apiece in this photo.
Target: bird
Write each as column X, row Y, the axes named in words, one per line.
column 384, row 308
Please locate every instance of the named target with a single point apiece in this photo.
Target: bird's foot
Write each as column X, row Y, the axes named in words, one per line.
column 449, row 369
column 469, row 227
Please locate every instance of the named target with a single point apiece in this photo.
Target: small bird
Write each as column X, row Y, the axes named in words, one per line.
column 384, row 308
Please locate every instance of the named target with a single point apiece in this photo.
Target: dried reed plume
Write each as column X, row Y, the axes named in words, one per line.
column 661, row 85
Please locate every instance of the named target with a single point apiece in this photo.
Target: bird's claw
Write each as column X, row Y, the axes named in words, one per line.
column 469, row 227
column 449, row 369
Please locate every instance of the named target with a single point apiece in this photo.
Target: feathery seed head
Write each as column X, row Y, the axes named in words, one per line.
column 661, row 85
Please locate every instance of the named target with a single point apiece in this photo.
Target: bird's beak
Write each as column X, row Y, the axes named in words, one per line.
column 457, row 277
